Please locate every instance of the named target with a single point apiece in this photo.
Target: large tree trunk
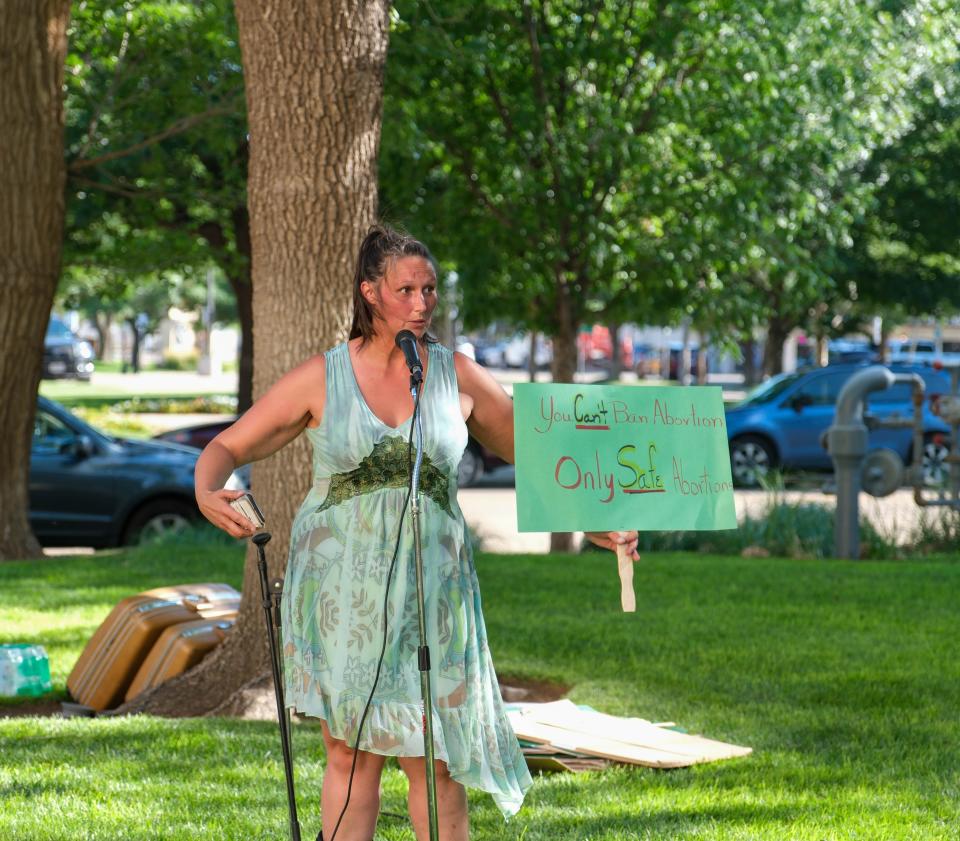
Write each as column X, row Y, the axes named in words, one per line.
column 33, row 47
column 616, row 357
column 314, row 82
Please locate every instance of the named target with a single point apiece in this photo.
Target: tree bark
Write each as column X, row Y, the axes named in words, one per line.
column 616, row 357
column 101, row 323
column 532, row 358
column 314, row 83
column 564, row 366
column 777, row 331
column 134, row 347
column 702, row 369
column 748, row 348
column 33, row 47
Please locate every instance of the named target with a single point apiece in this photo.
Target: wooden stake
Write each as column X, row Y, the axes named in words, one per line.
column 628, row 601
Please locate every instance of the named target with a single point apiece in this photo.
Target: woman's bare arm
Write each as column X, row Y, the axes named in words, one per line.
column 272, row 422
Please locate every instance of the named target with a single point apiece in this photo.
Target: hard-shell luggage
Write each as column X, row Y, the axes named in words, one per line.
column 213, row 600
column 118, row 647
column 179, row 648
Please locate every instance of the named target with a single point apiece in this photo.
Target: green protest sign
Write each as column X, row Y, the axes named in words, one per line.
column 604, row 458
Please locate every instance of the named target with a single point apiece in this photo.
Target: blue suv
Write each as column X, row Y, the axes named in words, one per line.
column 780, row 423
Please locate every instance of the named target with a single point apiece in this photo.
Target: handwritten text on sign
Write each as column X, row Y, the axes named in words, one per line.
column 599, row 458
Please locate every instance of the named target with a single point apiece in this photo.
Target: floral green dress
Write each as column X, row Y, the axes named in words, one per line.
column 333, row 600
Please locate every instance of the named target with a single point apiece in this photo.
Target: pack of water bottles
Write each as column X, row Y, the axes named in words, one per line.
column 24, row 669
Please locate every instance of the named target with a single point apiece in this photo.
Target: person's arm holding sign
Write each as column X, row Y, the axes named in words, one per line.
column 489, row 413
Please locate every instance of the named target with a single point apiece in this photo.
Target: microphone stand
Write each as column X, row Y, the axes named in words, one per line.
column 423, row 652
column 270, row 593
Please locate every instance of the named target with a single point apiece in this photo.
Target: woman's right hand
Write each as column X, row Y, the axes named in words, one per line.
column 215, row 506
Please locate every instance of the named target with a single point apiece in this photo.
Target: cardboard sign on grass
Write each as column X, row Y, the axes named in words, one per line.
column 605, row 458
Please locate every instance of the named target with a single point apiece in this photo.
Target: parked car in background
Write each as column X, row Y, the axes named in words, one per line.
column 90, row 489
column 476, row 459
column 489, row 354
column 780, row 424
column 64, row 354
column 516, row 352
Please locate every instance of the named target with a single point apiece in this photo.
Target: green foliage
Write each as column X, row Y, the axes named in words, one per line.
column 200, row 405
column 787, row 530
column 840, row 675
column 702, row 157
column 178, row 362
column 156, row 153
column 909, row 238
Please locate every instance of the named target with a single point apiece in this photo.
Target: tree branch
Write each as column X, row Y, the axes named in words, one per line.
column 177, row 127
column 108, row 97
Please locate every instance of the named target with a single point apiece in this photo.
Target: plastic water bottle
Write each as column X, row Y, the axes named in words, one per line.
column 24, row 670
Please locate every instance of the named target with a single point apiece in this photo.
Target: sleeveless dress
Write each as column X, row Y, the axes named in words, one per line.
column 341, row 546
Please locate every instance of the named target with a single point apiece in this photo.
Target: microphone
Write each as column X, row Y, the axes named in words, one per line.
column 407, row 343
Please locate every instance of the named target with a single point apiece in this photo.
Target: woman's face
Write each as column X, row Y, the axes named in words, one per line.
column 405, row 298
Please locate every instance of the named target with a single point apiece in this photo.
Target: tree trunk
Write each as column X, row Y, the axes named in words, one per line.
column 135, row 347
column 749, row 348
column 314, row 83
column 101, row 323
column 616, row 358
column 564, row 364
column 822, row 351
column 702, row 369
column 777, row 331
column 532, row 359
column 33, row 47
column 564, row 367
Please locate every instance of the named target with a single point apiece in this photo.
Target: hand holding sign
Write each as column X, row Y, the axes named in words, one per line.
column 624, row 543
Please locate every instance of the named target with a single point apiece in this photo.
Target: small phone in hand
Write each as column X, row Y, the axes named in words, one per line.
column 246, row 506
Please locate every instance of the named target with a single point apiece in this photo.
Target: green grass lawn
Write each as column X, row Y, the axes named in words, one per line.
column 842, row 676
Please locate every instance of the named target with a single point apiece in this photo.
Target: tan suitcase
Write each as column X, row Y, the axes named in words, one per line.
column 213, row 600
column 179, row 648
column 118, row 647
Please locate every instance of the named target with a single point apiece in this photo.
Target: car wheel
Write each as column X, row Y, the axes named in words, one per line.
column 935, row 468
column 470, row 468
column 751, row 459
column 158, row 520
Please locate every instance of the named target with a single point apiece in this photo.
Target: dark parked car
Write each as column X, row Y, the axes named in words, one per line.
column 65, row 355
column 476, row 460
column 780, row 424
column 89, row 489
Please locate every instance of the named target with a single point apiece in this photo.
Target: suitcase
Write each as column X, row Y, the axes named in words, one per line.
column 213, row 600
column 118, row 647
column 179, row 648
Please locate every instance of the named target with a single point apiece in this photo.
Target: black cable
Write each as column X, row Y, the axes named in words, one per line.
column 386, row 596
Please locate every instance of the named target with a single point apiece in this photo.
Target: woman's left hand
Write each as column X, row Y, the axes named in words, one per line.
column 611, row 539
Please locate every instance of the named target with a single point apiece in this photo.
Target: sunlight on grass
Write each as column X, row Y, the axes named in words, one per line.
column 842, row 676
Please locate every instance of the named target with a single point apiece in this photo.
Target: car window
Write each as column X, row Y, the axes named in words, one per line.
column 824, row 389
column 58, row 330
column 770, row 390
column 50, row 433
column 897, row 393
